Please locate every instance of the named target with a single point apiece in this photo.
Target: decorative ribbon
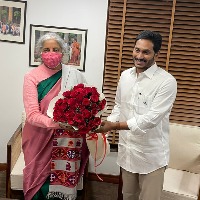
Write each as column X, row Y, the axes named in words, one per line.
column 94, row 136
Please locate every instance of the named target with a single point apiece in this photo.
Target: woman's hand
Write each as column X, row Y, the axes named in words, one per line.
column 67, row 127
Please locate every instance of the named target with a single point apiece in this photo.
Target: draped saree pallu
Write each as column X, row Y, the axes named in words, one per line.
column 52, row 157
column 65, row 165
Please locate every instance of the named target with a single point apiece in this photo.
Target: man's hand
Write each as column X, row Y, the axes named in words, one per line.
column 106, row 126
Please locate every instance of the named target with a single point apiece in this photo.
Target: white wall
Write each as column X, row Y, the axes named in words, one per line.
column 14, row 58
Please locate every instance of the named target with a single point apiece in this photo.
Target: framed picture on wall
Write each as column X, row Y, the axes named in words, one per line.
column 75, row 40
column 12, row 21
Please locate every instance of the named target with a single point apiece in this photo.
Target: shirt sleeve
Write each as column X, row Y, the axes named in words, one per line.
column 31, row 105
column 161, row 105
column 115, row 114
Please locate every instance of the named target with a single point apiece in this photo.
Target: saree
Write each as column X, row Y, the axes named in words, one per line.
column 37, row 143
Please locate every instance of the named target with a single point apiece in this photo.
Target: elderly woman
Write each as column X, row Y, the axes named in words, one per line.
column 51, row 169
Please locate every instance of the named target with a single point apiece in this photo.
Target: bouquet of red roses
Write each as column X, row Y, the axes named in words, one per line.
column 81, row 108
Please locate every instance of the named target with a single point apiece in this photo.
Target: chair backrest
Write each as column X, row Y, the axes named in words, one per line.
column 184, row 147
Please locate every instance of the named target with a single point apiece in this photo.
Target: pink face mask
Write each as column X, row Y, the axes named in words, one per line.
column 51, row 59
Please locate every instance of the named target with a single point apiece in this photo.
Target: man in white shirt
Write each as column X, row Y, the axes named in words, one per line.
column 144, row 99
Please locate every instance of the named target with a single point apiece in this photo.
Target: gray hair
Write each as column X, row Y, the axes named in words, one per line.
column 48, row 36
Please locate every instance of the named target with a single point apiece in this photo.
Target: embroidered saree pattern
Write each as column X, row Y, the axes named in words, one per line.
column 65, row 165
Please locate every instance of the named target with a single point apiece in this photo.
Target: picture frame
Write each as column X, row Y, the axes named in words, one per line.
column 75, row 38
column 13, row 21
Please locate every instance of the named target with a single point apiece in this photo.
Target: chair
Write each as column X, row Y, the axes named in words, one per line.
column 13, row 155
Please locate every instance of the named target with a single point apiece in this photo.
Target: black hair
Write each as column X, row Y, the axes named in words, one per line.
column 154, row 37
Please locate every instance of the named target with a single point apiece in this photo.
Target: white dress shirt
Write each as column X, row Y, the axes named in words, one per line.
column 145, row 103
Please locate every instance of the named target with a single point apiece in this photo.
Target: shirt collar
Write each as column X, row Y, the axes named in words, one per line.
column 149, row 72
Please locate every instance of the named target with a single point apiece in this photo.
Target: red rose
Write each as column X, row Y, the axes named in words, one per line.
column 78, row 118
column 102, row 104
column 94, row 111
column 74, row 93
column 67, row 94
column 79, row 90
column 71, row 122
column 80, row 85
column 97, row 121
column 83, row 128
column 86, row 113
column 71, row 101
column 94, row 91
column 95, row 98
column 69, row 114
column 57, row 115
column 80, row 97
column 86, row 102
column 94, row 105
column 93, row 124
column 88, row 90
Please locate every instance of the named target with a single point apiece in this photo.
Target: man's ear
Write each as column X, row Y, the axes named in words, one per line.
column 157, row 54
